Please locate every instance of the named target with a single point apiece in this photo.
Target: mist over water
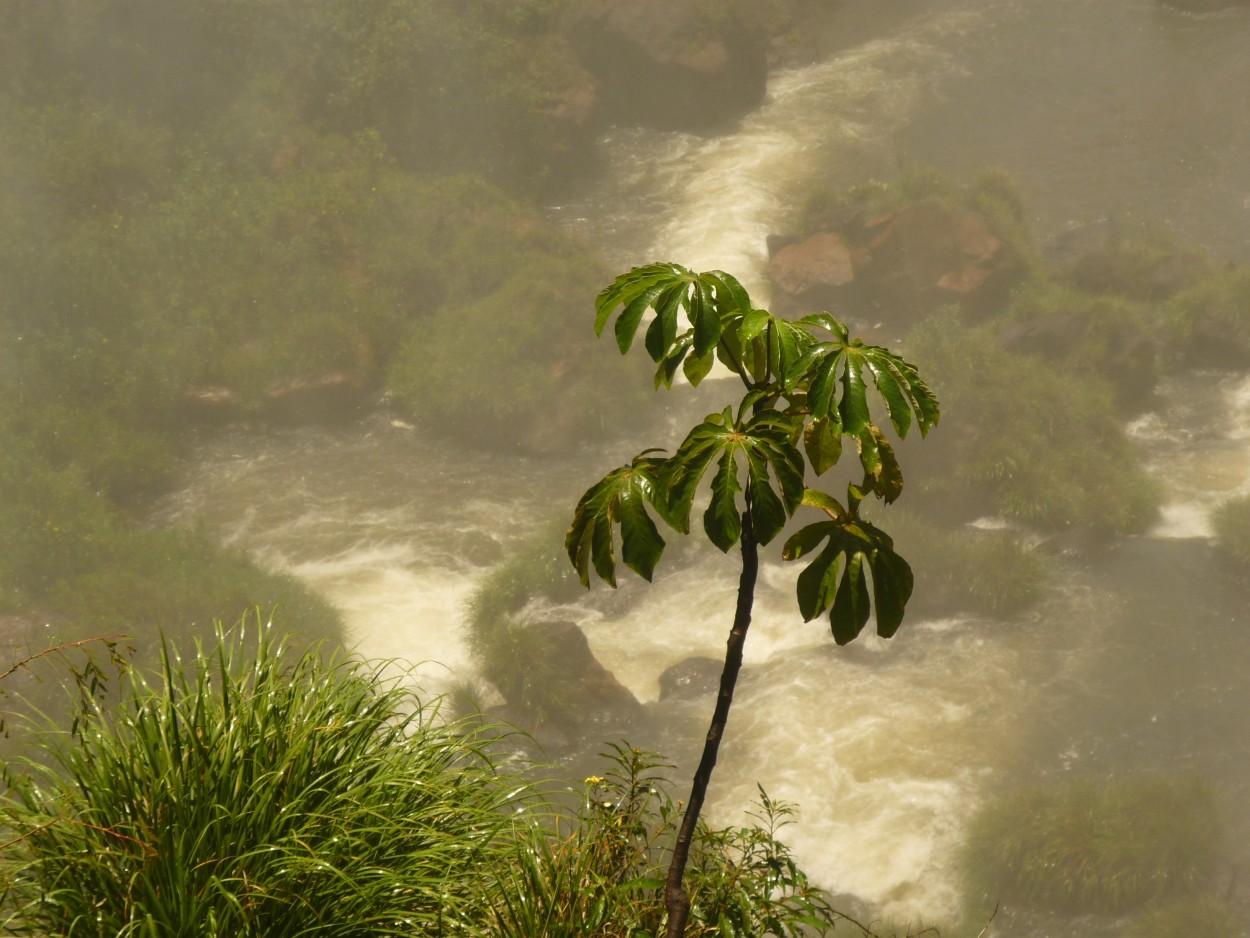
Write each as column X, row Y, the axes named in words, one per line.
column 1098, row 107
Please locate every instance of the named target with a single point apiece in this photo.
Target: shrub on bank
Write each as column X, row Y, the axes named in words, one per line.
column 1231, row 522
column 71, row 556
column 255, row 791
column 963, row 569
column 519, row 368
column 1086, row 845
column 1050, row 453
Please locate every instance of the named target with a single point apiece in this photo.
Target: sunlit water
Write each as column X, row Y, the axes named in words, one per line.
column 1097, row 107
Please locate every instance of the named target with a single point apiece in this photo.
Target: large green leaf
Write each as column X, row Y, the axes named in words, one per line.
column 835, row 579
column 774, row 467
column 711, row 301
column 905, row 395
column 619, row 499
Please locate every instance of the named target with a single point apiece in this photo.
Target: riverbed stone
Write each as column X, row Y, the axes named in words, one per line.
column 695, row 678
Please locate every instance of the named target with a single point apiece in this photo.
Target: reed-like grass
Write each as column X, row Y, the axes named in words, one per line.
column 252, row 791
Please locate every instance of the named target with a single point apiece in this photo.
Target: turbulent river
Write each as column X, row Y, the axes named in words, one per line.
column 1096, row 107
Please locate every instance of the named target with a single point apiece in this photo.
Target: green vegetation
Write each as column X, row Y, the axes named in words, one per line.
column 1086, row 845
column 252, row 791
column 1231, row 522
column 597, row 871
column 1051, row 454
column 255, row 790
column 72, row 556
column 1187, row 918
column 796, row 385
column 963, row 569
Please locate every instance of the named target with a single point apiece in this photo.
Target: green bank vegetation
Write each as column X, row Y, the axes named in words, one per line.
column 249, row 788
column 1142, row 853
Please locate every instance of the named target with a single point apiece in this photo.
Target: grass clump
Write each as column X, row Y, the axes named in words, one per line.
column 1086, row 845
column 250, row 791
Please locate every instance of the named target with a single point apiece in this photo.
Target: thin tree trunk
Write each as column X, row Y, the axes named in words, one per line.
column 675, row 896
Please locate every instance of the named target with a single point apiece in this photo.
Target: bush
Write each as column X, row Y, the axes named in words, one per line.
column 1051, row 452
column 1200, row 917
column 1231, row 522
column 1092, row 846
column 70, row 555
column 517, row 659
column 968, row 570
column 257, row 792
column 470, row 369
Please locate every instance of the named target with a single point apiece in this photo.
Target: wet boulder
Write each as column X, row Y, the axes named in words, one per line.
column 696, row 678
column 924, row 256
column 551, row 680
column 809, row 273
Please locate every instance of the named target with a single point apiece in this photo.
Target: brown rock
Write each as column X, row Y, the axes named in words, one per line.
column 931, row 248
column 821, row 260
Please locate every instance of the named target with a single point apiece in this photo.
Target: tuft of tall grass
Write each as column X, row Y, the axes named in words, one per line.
column 251, row 791
column 1094, row 846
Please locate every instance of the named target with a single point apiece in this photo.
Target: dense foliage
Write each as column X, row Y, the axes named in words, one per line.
column 252, row 789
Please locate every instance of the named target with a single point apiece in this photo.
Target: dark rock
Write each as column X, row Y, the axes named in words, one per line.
column 552, row 681
column 660, row 64
column 696, row 678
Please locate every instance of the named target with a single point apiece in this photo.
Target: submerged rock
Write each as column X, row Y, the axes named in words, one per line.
column 694, row 678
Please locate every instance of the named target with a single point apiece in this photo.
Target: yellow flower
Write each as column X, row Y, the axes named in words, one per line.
column 594, row 780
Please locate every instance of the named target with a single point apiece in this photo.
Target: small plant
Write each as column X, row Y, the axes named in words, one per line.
column 1090, row 846
column 805, row 380
column 599, row 872
column 251, row 792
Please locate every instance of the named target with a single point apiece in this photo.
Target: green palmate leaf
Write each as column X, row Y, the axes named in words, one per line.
column 721, row 521
column 774, row 475
column 823, row 441
column 705, row 316
column 882, row 475
column 696, row 369
column 711, row 302
column 854, row 404
column 672, row 360
column 627, row 287
column 662, row 332
column 619, row 499
column 753, row 324
column 733, row 295
column 836, row 578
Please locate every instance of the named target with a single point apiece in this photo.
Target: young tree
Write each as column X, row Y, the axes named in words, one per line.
column 804, row 380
